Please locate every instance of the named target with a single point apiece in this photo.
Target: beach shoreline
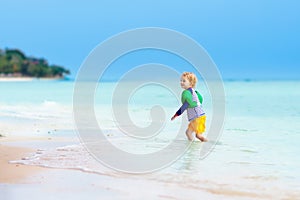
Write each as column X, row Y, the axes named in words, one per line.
column 17, row 179
column 28, row 79
column 15, row 173
column 20, row 181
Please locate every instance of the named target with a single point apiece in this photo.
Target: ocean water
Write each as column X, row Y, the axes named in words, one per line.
column 257, row 155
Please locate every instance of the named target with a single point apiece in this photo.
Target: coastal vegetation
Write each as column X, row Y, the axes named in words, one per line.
column 14, row 63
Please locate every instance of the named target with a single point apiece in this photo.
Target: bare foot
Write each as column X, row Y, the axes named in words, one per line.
column 201, row 138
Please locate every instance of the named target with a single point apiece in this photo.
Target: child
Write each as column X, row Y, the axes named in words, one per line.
column 191, row 101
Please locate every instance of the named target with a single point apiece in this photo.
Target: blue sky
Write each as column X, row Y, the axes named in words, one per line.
column 246, row 39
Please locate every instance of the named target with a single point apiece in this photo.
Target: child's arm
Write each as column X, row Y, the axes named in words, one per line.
column 181, row 110
column 188, row 101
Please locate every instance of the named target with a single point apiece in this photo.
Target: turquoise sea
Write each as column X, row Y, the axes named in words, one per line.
column 257, row 154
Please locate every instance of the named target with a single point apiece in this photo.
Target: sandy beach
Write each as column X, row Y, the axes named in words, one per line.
column 21, row 79
column 19, row 181
column 15, row 173
column 14, row 79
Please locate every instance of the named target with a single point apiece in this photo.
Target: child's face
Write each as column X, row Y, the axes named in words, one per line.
column 185, row 83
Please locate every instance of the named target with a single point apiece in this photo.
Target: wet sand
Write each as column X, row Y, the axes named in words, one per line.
column 19, row 181
column 15, row 173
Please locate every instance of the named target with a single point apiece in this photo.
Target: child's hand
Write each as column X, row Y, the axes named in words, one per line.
column 173, row 117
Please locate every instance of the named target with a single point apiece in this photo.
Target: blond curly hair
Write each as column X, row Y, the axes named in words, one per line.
column 191, row 77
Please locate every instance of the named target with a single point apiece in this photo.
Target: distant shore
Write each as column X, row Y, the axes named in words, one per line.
column 8, row 79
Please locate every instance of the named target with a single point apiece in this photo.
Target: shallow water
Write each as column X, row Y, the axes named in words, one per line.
column 256, row 154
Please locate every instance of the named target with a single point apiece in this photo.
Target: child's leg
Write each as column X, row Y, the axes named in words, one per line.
column 189, row 134
column 201, row 138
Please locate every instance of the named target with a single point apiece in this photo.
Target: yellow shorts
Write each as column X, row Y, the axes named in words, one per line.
column 198, row 125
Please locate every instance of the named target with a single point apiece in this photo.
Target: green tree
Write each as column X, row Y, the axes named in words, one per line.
column 14, row 61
